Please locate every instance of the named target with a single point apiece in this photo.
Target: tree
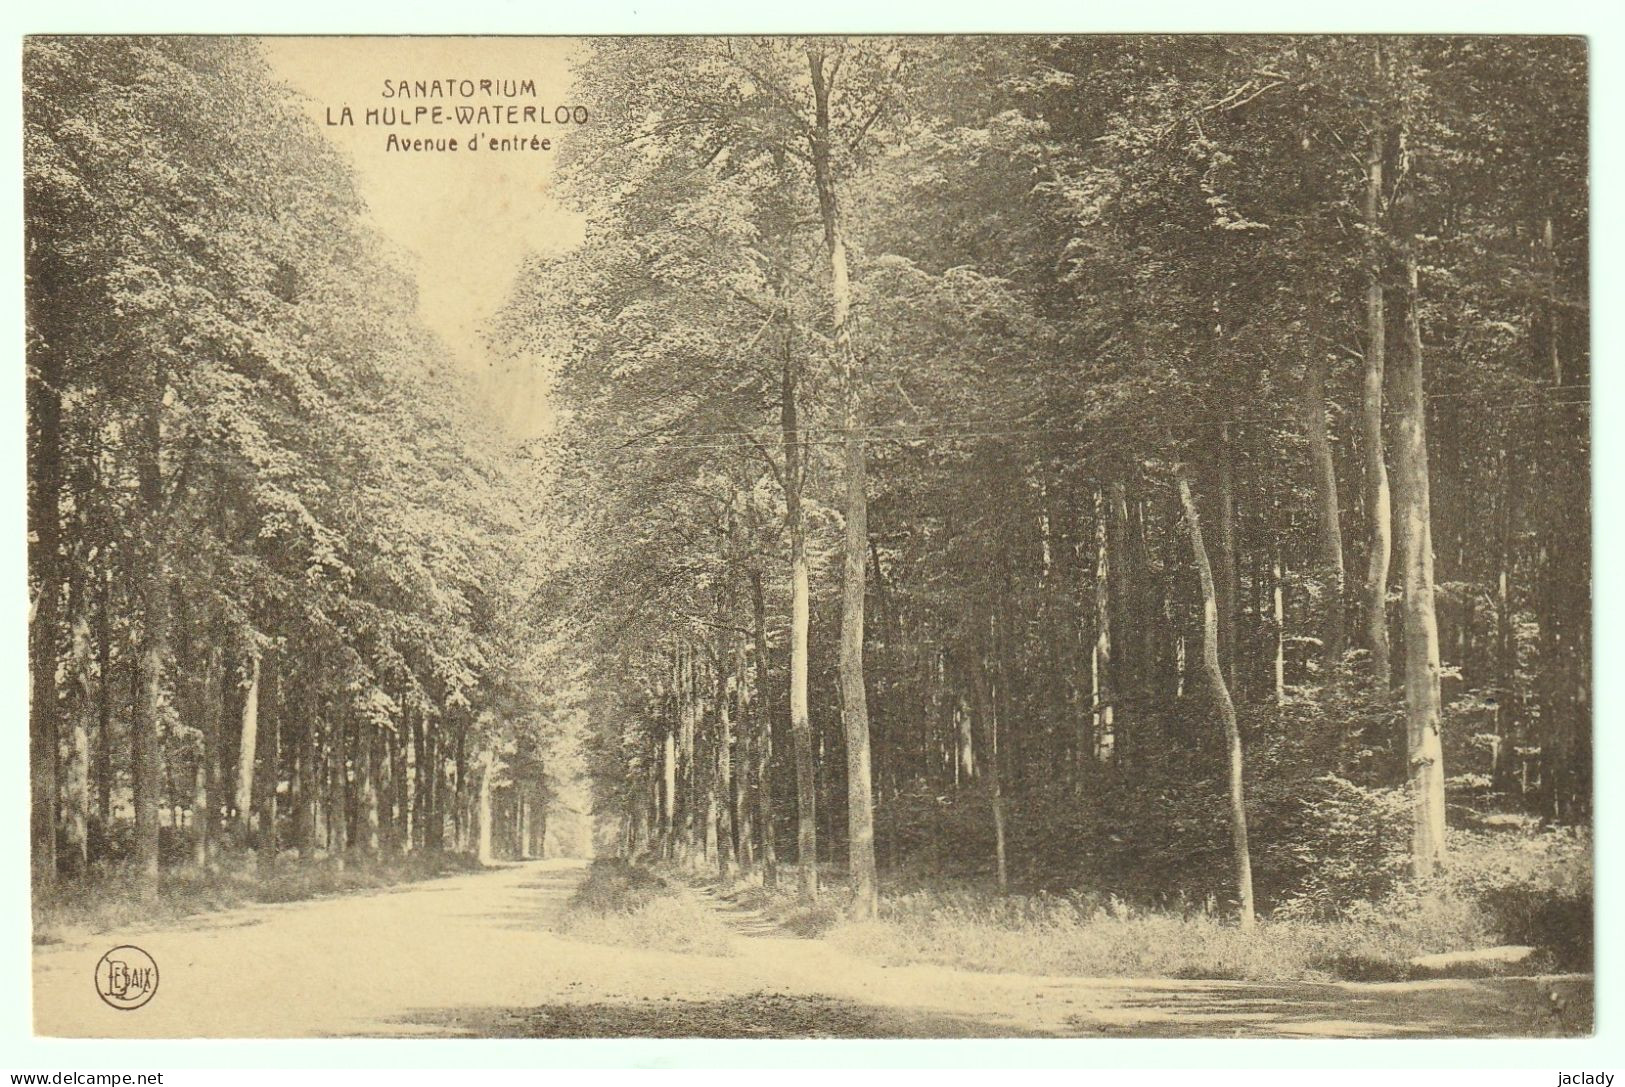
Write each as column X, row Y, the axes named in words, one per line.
column 1240, row 853
column 260, row 457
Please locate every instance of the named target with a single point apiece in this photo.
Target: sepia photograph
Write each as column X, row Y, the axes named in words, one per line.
column 1019, row 536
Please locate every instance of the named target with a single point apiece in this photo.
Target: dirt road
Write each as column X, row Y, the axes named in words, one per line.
column 473, row 955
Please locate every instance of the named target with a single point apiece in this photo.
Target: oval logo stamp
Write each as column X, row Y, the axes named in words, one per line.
column 126, row 977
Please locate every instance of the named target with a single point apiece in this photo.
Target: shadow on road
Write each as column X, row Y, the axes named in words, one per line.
column 752, row 1015
column 534, row 902
column 1522, row 1007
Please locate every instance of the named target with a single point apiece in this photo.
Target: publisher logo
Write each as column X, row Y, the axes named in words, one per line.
column 126, row 977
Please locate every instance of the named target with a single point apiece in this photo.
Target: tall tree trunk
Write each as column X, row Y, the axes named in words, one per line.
column 710, row 768
column 1221, row 697
column 649, row 806
column 1562, row 598
column 764, row 738
column 213, row 724
column 420, row 781
column 860, row 818
column 76, row 786
column 45, row 572
column 487, row 768
column 367, row 773
column 389, row 827
column 801, row 738
column 200, row 807
column 727, row 858
column 1379, row 514
column 744, row 815
column 1147, row 609
column 338, row 796
column 304, row 779
column 462, row 797
column 1278, row 619
column 1424, row 752
column 1226, row 583
column 402, row 776
column 687, row 751
column 189, row 700
column 1328, row 520
column 1129, row 617
column 433, row 786
column 521, row 834
column 1506, row 645
column 271, row 758
column 104, row 710
column 1102, row 691
column 247, row 752
column 965, row 743
column 145, row 750
column 668, row 792
column 711, row 837
column 982, row 713
column 744, row 819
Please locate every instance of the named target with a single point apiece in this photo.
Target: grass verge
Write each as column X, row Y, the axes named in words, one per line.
column 1050, row 935
column 1531, row 890
column 629, row 906
column 109, row 899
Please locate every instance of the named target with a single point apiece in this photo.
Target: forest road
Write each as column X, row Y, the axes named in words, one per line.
column 473, row 956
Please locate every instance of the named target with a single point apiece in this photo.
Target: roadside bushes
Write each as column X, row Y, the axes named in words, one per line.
column 1074, row 935
column 614, row 886
column 1526, row 886
column 1318, row 843
column 1116, row 879
column 111, row 898
column 1323, row 844
column 627, row 905
column 1533, row 887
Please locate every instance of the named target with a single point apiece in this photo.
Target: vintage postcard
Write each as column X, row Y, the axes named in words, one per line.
column 1025, row 536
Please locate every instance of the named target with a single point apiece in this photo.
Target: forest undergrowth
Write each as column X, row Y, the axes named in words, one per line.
column 626, row 905
column 1525, row 887
column 1043, row 573
column 110, row 897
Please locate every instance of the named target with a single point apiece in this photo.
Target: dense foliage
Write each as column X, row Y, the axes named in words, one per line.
column 1083, row 273
column 1151, row 469
column 272, row 552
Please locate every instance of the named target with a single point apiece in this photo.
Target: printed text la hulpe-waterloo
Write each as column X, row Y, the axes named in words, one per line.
column 484, row 102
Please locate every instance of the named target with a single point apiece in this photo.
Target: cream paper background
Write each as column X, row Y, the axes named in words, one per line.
column 481, row 223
